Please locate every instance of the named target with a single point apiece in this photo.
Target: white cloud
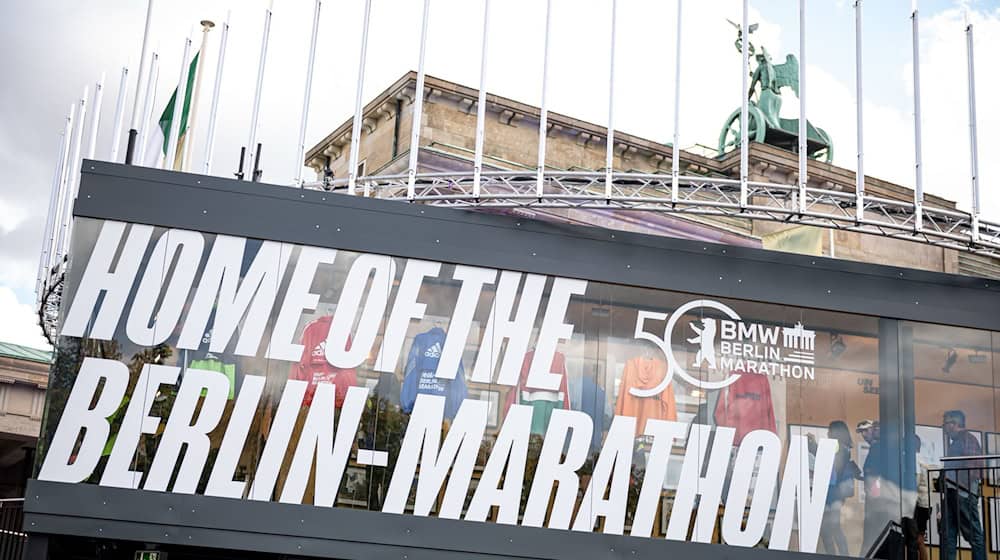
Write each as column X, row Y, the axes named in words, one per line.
column 18, row 322
column 11, row 216
column 944, row 100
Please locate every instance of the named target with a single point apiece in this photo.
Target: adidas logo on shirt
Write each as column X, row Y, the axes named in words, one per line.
column 433, row 351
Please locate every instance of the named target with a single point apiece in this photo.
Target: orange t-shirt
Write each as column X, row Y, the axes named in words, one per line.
column 645, row 373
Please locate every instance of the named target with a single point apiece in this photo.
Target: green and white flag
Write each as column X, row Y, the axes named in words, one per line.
column 157, row 145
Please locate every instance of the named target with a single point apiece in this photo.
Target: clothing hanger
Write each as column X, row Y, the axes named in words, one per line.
column 325, row 308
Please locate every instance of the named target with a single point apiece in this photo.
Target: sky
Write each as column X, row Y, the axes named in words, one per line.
column 58, row 47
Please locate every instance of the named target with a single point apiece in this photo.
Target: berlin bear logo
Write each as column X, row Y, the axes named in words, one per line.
column 706, row 338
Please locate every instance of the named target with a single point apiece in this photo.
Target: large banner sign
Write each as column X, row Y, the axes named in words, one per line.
column 563, row 419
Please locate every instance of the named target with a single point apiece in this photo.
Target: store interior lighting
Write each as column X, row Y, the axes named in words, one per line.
column 949, row 361
column 837, row 345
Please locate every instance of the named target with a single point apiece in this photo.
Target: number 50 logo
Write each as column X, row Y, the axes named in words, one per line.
column 706, row 339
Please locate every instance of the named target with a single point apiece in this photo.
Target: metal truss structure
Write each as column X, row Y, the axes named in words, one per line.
column 48, row 306
column 694, row 195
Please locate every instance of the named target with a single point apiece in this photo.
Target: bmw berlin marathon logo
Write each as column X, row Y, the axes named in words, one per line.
column 723, row 349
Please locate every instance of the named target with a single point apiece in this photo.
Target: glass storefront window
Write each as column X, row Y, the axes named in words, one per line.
column 259, row 370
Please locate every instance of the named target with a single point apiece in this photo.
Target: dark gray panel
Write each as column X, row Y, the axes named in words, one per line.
column 216, row 205
column 311, row 531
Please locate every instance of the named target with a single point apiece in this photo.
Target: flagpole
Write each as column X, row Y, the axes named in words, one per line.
column 859, row 176
column 675, row 150
column 418, row 106
column 95, row 119
column 973, row 137
column 744, row 102
column 300, row 156
column 210, row 144
column 206, row 26
column 260, row 84
column 133, row 132
column 803, row 123
column 73, row 172
column 43, row 260
column 543, row 114
column 352, row 171
column 53, row 231
column 56, row 228
column 177, row 116
column 918, row 193
column 477, row 164
column 116, row 135
column 147, row 107
column 609, row 155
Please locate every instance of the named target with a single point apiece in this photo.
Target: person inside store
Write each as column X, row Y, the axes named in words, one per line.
column 879, row 504
column 922, row 507
column 845, row 471
column 962, row 482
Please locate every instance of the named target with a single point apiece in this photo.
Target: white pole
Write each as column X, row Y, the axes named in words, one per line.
column 352, row 171
column 95, row 119
column 252, row 142
column 418, row 107
column 206, row 26
column 176, row 119
column 859, row 180
column 210, row 144
column 543, row 118
column 73, row 173
column 609, row 156
column 744, row 111
column 803, row 129
column 973, row 137
column 43, row 260
column 300, row 156
column 133, row 132
column 64, row 175
column 675, row 150
column 477, row 166
column 148, row 104
column 918, row 193
column 116, row 135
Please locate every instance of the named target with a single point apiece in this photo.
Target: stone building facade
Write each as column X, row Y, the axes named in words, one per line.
column 24, row 376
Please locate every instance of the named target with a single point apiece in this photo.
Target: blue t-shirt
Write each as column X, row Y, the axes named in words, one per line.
column 419, row 376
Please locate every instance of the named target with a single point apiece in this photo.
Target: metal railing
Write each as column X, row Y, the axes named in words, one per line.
column 955, row 498
column 12, row 535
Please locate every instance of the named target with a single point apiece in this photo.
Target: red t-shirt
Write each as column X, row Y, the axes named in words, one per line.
column 314, row 368
column 746, row 405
